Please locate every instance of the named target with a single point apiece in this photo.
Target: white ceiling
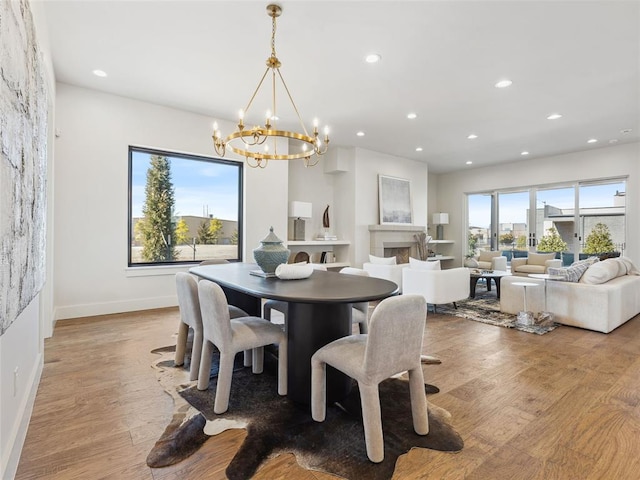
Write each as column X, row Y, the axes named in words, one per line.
column 439, row 59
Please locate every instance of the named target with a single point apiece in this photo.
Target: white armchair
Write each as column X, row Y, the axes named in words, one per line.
column 386, row 272
column 491, row 260
column 437, row 286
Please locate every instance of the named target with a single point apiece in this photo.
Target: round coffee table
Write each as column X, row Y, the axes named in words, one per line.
column 494, row 275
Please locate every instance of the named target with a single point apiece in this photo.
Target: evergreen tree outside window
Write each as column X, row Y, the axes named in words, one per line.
column 183, row 208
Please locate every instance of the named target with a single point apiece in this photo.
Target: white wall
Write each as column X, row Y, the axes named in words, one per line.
column 21, row 352
column 608, row 162
column 22, row 344
column 90, row 201
column 353, row 194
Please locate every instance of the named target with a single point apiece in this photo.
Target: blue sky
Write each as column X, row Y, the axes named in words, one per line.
column 200, row 186
column 513, row 206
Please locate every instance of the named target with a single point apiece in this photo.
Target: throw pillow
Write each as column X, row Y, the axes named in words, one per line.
column 589, row 261
column 600, row 272
column 631, row 268
column 382, row 260
column 570, row 274
column 423, row 264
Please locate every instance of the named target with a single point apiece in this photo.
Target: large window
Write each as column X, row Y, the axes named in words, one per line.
column 545, row 218
column 183, row 208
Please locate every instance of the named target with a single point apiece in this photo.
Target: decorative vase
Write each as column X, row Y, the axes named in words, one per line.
column 471, row 263
column 270, row 253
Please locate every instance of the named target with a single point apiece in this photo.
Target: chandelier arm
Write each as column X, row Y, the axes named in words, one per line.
column 273, row 100
column 256, row 90
column 292, row 102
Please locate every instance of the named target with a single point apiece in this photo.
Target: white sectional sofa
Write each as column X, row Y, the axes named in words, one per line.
column 595, row 306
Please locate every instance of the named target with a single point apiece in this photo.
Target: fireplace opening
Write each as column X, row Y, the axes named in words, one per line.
column 401, row 253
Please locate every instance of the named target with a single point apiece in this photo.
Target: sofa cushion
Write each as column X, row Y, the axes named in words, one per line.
column 570, row 274
column 540, row 258
column 423, row 264
column 382, row 260
column 602, row 272
column 528, row 268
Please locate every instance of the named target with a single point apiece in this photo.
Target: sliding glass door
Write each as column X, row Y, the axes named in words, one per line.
column 556, row 222
column 575, row 220
column 514, row 233
column 479, row 223
column 602, row 222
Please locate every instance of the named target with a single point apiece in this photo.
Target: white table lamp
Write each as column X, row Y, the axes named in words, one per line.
column 299, row 210
column 440, row 219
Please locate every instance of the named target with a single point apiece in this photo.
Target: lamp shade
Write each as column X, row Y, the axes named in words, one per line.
column 300, row 209
column 441, row 219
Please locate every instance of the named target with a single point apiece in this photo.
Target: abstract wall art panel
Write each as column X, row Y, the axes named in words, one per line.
column 23, row 159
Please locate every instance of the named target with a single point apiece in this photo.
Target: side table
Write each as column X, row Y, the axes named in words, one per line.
column 545, row 316
column 525, row 317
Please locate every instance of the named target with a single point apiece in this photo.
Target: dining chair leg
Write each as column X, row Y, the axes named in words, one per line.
column 205, row 365
column 318, row 390
column 372, row 421
column 248, row 354
column 181, row 344
column 223, row 390
column 282, row 367
column 196, row 354
column 258, row 360
column 419, row 408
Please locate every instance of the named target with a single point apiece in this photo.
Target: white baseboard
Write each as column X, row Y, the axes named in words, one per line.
column 21, row 425
column 93, row 309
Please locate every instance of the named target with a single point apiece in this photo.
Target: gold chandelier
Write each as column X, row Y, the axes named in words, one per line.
column 253, row 143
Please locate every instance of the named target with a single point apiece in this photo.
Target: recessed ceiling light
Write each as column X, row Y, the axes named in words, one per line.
column 419, row 149
column 524, row 153
column 372, row 58
column 503, row 83
column 468, row 162
column 592, row 140
column 412, row 115
column 472, row 136
column 100, row 73
column 613, row 140
column 554, row 116
column 360, row 134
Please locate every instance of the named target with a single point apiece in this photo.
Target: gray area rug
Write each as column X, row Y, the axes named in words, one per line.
column 485, row 308
column 275, row 425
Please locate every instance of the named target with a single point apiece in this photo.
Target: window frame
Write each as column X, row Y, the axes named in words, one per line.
column 186, row 156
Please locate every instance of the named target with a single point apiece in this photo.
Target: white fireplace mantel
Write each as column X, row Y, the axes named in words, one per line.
column 393, row 236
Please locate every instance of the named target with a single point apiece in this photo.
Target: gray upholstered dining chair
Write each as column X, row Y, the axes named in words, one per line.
column 360, row 310
column 190, row 317
column 392, row 346
column 232, row 336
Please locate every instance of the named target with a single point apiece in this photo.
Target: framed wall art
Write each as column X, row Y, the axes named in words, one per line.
column 394, row 198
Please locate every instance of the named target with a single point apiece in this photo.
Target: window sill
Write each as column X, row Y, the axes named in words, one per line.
column 155, row 270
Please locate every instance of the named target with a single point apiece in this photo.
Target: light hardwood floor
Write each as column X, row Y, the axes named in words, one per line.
column 565, row 405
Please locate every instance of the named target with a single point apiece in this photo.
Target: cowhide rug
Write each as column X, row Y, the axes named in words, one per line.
column 276, row 425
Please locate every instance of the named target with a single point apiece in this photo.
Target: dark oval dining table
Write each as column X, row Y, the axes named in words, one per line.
column 319, row 312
